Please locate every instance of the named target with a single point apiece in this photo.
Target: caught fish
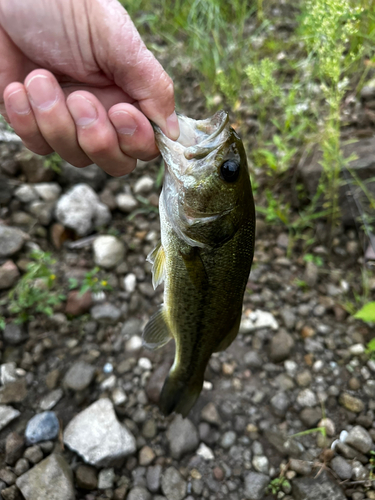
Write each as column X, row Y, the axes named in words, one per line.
column 207, row 220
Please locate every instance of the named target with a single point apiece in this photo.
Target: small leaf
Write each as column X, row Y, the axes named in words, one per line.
column 367, row 313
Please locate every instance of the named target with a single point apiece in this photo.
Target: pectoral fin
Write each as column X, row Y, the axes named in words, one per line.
column 156, row 333
column 157, row 259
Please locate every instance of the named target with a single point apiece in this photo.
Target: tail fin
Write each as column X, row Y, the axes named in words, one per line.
column 179, row 395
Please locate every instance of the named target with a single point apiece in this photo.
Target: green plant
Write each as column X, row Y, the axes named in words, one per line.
column 53, row 162
column 366, row 313
column 91, row 282
column 2, row 322
column 316, row 259
column 35, row 292
column 277, row 484
column 372, row 465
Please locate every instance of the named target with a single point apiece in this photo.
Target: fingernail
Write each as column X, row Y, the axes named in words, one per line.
column 43, row 93
column 124, row 122
column 173, row 126
column 83, row 111
column 19, row 102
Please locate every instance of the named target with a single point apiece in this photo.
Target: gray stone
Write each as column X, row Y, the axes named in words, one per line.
column 252, row 359
column 42, row 427
column 14, row 446
column 310, row 416
column 79, row 376
column 106, row 479
column 33, row 454
column 351, row 403
column 210, row 414
column 92, row 175
column 86, row 477
column 48, row 191
column 302, row 467
column 22, row 466
column 289, row 317
column 9, row 274
column 228, row 439
column 285, row 445
column 360, row 439
column 311, row 274
column 321, row 488
column 107, row 313
column 11, row 493
column 281, row 345
column 43, row 211
column 126, row 202
column 7, row 414
column 182, row 437
column 173, row 484
column 51, row 479
column 26, row 193
column 153, row 477
column 97, row 435
column 109, row 251
column 341, row 467
column 261, row 464
column 51, row 399
column 80, row 209
column 8, row 373
column 13, row 392
column 280, row 404
column 255, row 485
column 307, row 398
column 144, row 185
column 11, row 240
column 138, row 493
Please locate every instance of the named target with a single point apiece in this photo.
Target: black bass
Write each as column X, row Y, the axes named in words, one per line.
column 207, row 220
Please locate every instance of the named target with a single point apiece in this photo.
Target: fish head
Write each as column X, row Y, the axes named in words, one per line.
column 206, row 191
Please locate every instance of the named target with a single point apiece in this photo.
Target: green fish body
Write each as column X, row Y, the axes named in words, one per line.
column 207, row 221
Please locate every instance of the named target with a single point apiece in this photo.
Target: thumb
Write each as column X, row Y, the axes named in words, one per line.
column 134, row 68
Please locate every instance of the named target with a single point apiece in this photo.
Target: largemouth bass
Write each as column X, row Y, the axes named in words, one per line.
column 207, row 221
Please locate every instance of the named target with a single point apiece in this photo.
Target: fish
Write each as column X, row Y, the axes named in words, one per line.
column 207, row 225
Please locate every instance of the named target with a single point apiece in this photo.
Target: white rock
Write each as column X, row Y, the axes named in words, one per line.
column 48, row 191
column 343, row 436
column 118, row 396
column 108, row 383
column 130, row 282
column 8, row 373
column 126, row 202
column 98, row 436
column 256, row 320
column 144, row 185
column 51, row 399
column 7, row 414
column 261, row 464
column 133, row 344
column 307, row 398
column 26, row 193
column 357, row 349
column 108, row 251
column 144, row 364
column 80, row 209
column 106, row 479
column 205, row 452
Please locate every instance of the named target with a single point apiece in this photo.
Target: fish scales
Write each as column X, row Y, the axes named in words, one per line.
column 207, row 244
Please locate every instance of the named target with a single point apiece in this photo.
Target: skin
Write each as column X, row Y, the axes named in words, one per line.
column 76, row 78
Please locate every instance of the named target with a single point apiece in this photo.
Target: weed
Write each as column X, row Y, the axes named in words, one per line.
column 316, row 259
column 35, row 292
column 53, row 162
column 91, row 282
column 2, row 323
column 278, row 484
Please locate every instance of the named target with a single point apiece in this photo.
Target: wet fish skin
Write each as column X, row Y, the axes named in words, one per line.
column 206, row 251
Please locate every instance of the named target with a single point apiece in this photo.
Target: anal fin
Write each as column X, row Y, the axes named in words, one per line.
column 157, row 259
column 156, row 333
column 231, row 335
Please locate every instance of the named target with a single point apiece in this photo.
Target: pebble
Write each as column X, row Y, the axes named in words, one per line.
column 109, row 251
column 11, row 493
column 256, row 320
column 42, row 427
column 126, row 202
column 359, row 439
column 33, row 454
column 86, row 477
column 329, row 426
column 205, row 452
column 13, row 392
column 304, row 378
column 47, row 191
column 281, row 346
column 173, row 484
column 77, row 303
column 288, row 317
column 130, row 282
column 252, row 359
column 50, row 400
column 280, row 403
column 302, row 467
column 351, row 403
column 7, row 476
column 50, row 479
column 210, row 414
column 80, row 209
column 13, row 334
column 9, row 274
column 107, row 313
column 22, row 465
column 311, row 274
column 97, row 435
column 146, row 456
column 307, row 398
column 261, row 464
column 153, row 478
column 11, row 240
column 138, row 493
column 7, row 415
column 14, row 446
column 228, row 439
column 144, row 364
column 144, row 185
column 133, row 344
column 342, row 468
column 8, row 373
column 25, row 193
column 119, row 397
column 106, row 479
column 255, row 485
column 182, row 437
column 79, row 376
column 322, row 487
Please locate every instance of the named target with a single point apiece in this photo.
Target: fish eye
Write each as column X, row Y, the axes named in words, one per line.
column 230, row 170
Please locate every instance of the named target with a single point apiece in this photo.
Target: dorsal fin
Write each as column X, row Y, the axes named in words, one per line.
column 156, row 332
column 157, row 259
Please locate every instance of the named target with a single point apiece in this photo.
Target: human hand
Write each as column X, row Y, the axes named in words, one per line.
column 76, row 78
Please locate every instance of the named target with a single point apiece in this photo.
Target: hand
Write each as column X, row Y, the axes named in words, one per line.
column 77, row 79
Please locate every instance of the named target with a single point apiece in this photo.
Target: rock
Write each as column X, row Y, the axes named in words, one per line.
column 47, row 191
column 341, row 467
column 261, row 464
column 310, row 416
column 146, row 456
column 173, row 484
column 126, row 202
column 108, row 251
column 14, row 446
column 153, row 478
column 13, row 392
column 182, row 437
column 42, row 427
column 360, row 439
column 7, row 476
column 285, row 445
column 13, row 334
column 80, row 209
column 256, row 320
column 288, row 317
column 11, row 240
column 77, row 303
column 33, row 166
column 210, row 414
column 26, row 193
column 311, row 274
column 138, row 493
column 349, row 452
column 144, row 185
column 321, row 488
column 120, row 493
column 205, row 452
column 252, row 359
column 92, row 175
column 156, row 382
column 281, row 345
column 9, row 274
column 22, row 466
column 255, row 485
column 106, row 313
column 280, row 404
column 228, row 439
column 283, row 240
column 86, row 477
column 8, row 373
column 351, row 403
column 307, row 398
column 11, row 493
column 79, row 376
column 130, row 282
column 33, row 454
column 7, row 414
column 302, row 467
column 304, row 378
column 97, row 435
column 51, row 479
column 106, row 479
